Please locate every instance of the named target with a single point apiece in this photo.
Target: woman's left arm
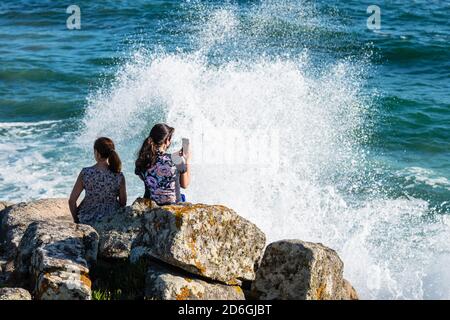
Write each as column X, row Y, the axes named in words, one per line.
column 75, row 194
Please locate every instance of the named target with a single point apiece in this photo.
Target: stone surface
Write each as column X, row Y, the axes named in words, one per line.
column 298, row 270
column 208, row 240
column 6, row 272
column 16, row 219
column 2, row 272
column 55, row 258
column 14, row 294
column 4, row 205
column 164, row 284
column 349, row 293
column 117, row 232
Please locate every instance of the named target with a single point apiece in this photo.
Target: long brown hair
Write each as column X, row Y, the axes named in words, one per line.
column 159, row 134
column 105, row 147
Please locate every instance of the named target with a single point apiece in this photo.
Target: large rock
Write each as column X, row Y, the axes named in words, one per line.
column 117, row 232
column 55, row 257
column 164, row 284
column 298, row 270
column 17, row 218
column 208, row 240
column 14, row 294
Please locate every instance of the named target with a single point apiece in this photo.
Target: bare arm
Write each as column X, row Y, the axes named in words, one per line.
column 123, row 193
column 76, row 191
column 185, row 178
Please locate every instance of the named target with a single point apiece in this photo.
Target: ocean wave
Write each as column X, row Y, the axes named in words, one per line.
column 37, row 159
column 28, row 124
column 418, row 175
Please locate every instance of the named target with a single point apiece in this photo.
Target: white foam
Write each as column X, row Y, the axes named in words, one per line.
column 426, row 176
column 37, row 160
column 27, row 124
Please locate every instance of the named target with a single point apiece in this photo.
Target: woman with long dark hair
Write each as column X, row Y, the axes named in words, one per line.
column 103, row 183
column 162, row 177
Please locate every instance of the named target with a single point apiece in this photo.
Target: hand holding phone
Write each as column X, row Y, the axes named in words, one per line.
column 184, row 155
column 185, row 149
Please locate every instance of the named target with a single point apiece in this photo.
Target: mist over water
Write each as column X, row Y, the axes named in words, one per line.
column 279, row 102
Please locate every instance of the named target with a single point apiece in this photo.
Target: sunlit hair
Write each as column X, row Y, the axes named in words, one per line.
column 106, row 149
column 160, row 134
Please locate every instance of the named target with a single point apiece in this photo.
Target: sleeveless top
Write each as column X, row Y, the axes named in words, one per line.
column 162, row 180
column 101, row 192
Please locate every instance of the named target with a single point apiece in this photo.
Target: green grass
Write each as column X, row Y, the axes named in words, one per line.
column 103, row 294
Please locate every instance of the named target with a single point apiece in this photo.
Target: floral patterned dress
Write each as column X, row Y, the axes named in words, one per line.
column 161, row 180
column 101, row 192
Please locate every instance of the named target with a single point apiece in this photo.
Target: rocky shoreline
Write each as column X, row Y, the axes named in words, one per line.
column 177, row 252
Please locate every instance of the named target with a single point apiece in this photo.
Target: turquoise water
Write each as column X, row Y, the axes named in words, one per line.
column 362, row 116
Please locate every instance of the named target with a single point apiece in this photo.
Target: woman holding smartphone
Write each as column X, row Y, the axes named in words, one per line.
column 162, row 175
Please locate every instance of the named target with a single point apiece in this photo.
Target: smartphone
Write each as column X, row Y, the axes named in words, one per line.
column 185, row 144
column 176, row 158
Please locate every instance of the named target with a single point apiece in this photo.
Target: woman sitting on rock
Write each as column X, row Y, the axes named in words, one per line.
column 162, row 177
column 103, row 183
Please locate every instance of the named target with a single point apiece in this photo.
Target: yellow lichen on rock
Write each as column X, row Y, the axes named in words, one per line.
column 238, row 289
column 180, row 210
column 201, row 268
column 184, row 293
column 232, row 282
column 84, row 278
column 43, row 285
column 191, row 245
column 320, row 291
